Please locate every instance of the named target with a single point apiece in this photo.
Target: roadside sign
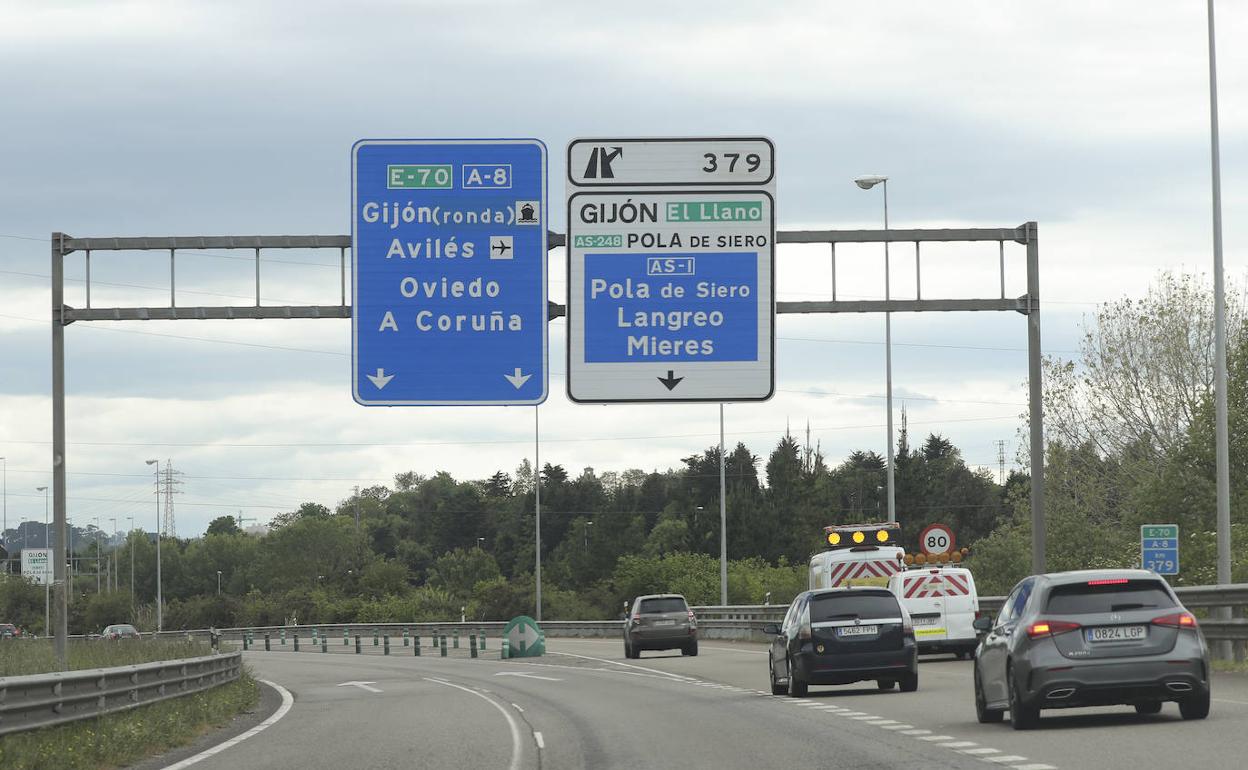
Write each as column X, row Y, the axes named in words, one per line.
column 671, row 246
column 449, row 258
column 936, row 539
column 1159, row 548
column 524, row 637
column 37, row 564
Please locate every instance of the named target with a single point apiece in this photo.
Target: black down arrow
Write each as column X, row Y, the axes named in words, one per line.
column 671, row 381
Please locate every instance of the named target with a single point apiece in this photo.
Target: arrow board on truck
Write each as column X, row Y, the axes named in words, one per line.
column 671, row 254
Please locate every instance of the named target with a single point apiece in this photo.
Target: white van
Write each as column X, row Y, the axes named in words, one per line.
column 943, row 605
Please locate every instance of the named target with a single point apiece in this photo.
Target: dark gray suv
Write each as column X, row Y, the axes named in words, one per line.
column 660, row 622
column 1090, row 638
column 843, row 635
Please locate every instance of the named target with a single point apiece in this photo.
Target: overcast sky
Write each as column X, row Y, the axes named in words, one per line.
column 204, row 118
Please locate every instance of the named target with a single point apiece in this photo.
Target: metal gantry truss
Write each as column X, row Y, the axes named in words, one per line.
column 63, row 315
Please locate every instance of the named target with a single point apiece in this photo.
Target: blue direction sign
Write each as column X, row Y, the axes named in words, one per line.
column 1159, row 548
column 449, row 246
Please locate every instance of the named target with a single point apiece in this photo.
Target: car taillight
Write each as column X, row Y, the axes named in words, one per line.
column 803, row 631
column 907, row 628
column 692, row 619
column 1042, row 628
column 636, row 617
column 1177, row 620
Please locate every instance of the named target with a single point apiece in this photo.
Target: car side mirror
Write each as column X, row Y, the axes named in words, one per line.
column 982, row 623
column 771, row 628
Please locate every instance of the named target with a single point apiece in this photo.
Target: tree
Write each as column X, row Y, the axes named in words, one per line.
column 223, row 525
column 458, row 571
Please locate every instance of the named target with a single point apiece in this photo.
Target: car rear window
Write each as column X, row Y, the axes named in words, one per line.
column 844, row 606
column 1087, row 598
column 666, row 604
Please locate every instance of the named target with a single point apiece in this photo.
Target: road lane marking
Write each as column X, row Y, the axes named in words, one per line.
column 526, row 676
column 1236, row 702
column 897, row 727
column 361, row 685
column 517, row 708
column 541, row 744
column 288, row 700
column 865, row 717
column 1004, row 758
column 916, row 732
column 936, row 737
column 511, row 721
column 677, row 677
column 958, row 744
column 981, row 752
column 1035, row 767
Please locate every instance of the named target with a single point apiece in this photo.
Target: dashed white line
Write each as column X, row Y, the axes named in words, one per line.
column 936, row 738
column 981, row 751
column 897, row 727
column 958, row 744
column 865, row 717
column 1004, row 758
column 517, row 708
column 1035, row 767
column 916, row 732
column 541, row 744
column 854, row 714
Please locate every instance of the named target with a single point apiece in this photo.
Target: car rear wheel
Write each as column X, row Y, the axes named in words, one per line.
column 984, row 714
column 797, row 686
column 884, row 684
column 909, row 681
column 1151, row 707
column 1021, row 717
column 1196, row 707
column 690, row 649
column 776, row 689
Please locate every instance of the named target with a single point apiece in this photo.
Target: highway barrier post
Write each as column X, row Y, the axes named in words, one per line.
column 386, row 646
column 266, row 643
column 296, row 641
column 481, row 638
column 405, row 637
column 416, row 647
column 504, row 649
column 357, row 644
column 375, row 632
column 283, row 637
column 346, row 636
column 472, row 645
column 324, row 643
column 455, row 638
column 442, row 646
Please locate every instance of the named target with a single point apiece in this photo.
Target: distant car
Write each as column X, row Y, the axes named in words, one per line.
column 660, row 622
column 1090, row 638
column 9, row 631
column 841, row 636
column 943, row 604
column 120, row 631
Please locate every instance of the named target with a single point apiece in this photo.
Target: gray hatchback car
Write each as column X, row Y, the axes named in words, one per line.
column 660, row 622
column 1090, row 638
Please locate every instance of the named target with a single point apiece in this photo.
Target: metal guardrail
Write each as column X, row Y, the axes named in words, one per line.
column 43, row 700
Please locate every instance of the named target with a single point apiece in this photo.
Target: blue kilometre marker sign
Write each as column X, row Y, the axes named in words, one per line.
column 1159, row 548
column 449, row 246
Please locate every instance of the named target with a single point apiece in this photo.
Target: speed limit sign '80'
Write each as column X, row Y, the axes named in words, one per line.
column 936, row 539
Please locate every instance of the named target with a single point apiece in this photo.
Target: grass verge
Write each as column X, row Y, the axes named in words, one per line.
column 1231, row 666
column 117, row 739
column 35, row 656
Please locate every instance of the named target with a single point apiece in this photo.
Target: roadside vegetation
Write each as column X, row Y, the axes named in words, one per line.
column 35, row 656
column 120, row 739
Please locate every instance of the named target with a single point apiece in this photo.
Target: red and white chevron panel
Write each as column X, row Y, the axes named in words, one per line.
column 851, row 570
column 934, row 586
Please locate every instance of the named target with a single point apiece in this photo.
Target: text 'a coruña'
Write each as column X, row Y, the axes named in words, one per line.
column 429, row 321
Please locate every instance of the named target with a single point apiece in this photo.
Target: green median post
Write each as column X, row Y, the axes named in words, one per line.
column 505, row 650
column 443, row 646
column 455, row 635
column 386, row 638
column 357, row 644
column 244, row 642
column 405, row 637
column 283, row 637
column 266, row 643
column 324, row 643
column 481, row 638
column 346, row 636
column 472, row 645
column 375, row 637
column 296, row 641
column 416, row 646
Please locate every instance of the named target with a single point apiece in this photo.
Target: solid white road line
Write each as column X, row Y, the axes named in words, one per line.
column 287, row 701
column 541, row 744
column 511, row 720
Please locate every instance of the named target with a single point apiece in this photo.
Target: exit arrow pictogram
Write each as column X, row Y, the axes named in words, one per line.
column 671, row 380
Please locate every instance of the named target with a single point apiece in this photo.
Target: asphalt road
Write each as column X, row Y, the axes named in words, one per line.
column 585, row 706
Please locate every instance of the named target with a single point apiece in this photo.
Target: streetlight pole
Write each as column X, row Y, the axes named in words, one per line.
column 4, row 503
column 112, row 556
column 866, row 183
column 585, row 533
column 218, row 582
column 47, row 584
column 723, row 516
column 130, row 542
column 97, row 554
column 159, row 598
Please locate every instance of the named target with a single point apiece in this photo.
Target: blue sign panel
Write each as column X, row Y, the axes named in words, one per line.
column 449, row 257
column 671, row 307
column 1159, row 548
